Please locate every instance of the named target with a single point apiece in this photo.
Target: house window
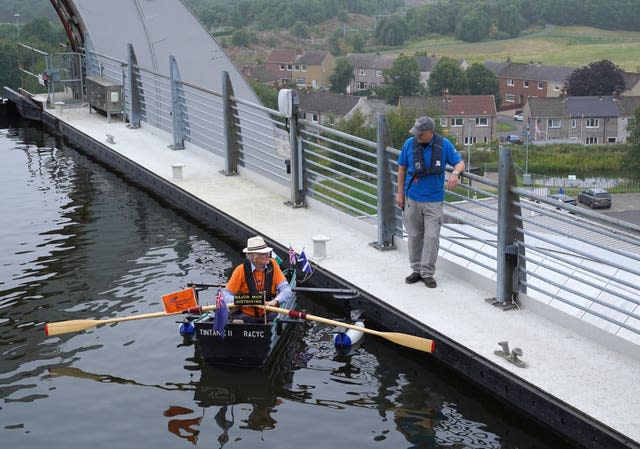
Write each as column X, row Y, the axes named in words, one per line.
column 289, row 66
column 556, row 87
column 612, row 139
column 574, row 123
column 525, row 84
column 540, row 85
column 553, row 123
column 457, row 121
column 315, row 117
column 361, row 72
column 592, row 123
column 511, row 83
column 591, row 141
column 482, row 121
column 510, row 98
column 443, row 122
column 468, row 139
column 360, row 85
column 305, row 67
column 296, row 68
column 281, row 66
column 378, row 72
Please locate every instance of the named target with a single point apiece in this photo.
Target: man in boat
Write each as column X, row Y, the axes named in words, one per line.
column 258, row 275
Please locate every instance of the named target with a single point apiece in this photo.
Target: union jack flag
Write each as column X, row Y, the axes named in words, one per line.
column 221, row 315
column 293, row 256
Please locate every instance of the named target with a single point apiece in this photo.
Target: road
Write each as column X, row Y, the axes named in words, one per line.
column 624, row 206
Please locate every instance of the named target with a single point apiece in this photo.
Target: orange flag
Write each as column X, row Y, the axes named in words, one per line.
column 179, row 301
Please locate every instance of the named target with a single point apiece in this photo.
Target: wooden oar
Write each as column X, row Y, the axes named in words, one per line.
column 63, row 327
column 410, row 341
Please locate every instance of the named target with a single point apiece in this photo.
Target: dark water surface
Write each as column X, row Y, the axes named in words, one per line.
column 77, row 241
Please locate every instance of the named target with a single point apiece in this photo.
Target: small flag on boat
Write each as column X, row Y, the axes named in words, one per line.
column 304, row 263
column 178, row 301
column 221, row 315
column 277, row 258
column 293, row 256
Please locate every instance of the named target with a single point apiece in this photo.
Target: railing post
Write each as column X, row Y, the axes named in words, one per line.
column 135, row 91
column 297, row 157
column 177, row 107
column 386, row 220
column 510, row 254
column 231, row 128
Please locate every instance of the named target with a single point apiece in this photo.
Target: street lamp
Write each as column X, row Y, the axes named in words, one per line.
column 17, row 16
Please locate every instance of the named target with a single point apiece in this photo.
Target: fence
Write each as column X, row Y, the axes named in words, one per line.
column 573, row 259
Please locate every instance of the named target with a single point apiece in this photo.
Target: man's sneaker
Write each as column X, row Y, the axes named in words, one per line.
column 430, row 282
column 413, row 278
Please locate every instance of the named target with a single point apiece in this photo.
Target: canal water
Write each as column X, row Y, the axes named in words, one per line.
column 78, row 241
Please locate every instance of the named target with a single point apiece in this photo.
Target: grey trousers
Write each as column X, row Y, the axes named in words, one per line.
column 422, row 222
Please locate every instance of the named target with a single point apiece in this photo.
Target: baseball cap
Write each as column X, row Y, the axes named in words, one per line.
column 421, row 125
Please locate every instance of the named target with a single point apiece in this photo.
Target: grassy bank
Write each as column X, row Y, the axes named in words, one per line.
column 560, row 46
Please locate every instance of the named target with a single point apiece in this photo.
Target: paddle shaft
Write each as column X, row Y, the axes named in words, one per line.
column 410, row 341
column 64, row 327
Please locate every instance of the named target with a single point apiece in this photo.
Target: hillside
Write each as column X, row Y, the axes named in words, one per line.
column 552, row 45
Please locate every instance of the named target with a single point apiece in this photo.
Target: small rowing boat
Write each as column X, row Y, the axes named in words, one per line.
column 239, row 344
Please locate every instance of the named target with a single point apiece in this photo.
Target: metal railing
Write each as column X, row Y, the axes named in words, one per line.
column 578, row 261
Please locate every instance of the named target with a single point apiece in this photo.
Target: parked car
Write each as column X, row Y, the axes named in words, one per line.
column 595, row 198
column 513, row 138
column 518, row 117
column 564, row 198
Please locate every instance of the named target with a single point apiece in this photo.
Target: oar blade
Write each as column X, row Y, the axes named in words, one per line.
column 410, row 341
column 65, row 327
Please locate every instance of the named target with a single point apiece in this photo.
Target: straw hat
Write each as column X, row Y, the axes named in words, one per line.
column 256, row 245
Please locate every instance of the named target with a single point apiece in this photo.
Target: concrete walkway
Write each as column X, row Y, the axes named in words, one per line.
column 586, row 375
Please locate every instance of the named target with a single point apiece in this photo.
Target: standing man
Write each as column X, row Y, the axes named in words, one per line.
column 420, row 195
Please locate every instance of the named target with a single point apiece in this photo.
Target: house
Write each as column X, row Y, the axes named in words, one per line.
column 590, row 120
column 426, row 64
column 631, row 83
column 518, row 81
column 468, row 118
column 313, row 69
column 259, row 73
column 326, row 107
column 280, row 64
column 367, row 70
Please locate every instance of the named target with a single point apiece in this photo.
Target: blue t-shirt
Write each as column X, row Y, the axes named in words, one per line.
column 428, row 188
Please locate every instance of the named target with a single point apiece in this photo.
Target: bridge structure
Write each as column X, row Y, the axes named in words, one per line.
column 515, row 268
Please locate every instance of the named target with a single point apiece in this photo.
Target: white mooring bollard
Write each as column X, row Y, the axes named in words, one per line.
column 320, row 246
column 177, row 170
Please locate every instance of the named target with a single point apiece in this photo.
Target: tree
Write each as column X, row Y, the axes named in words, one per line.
column 300, row 29
column 473, row 26
column 242, row 38
column 357, row 42
column 634, row 139
column 403, row 78
column 268, row 95
column 598, row 78
column 391, row 31
column 9, row 74
column 447, row 74
column 481, row 81
column 341, row 76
